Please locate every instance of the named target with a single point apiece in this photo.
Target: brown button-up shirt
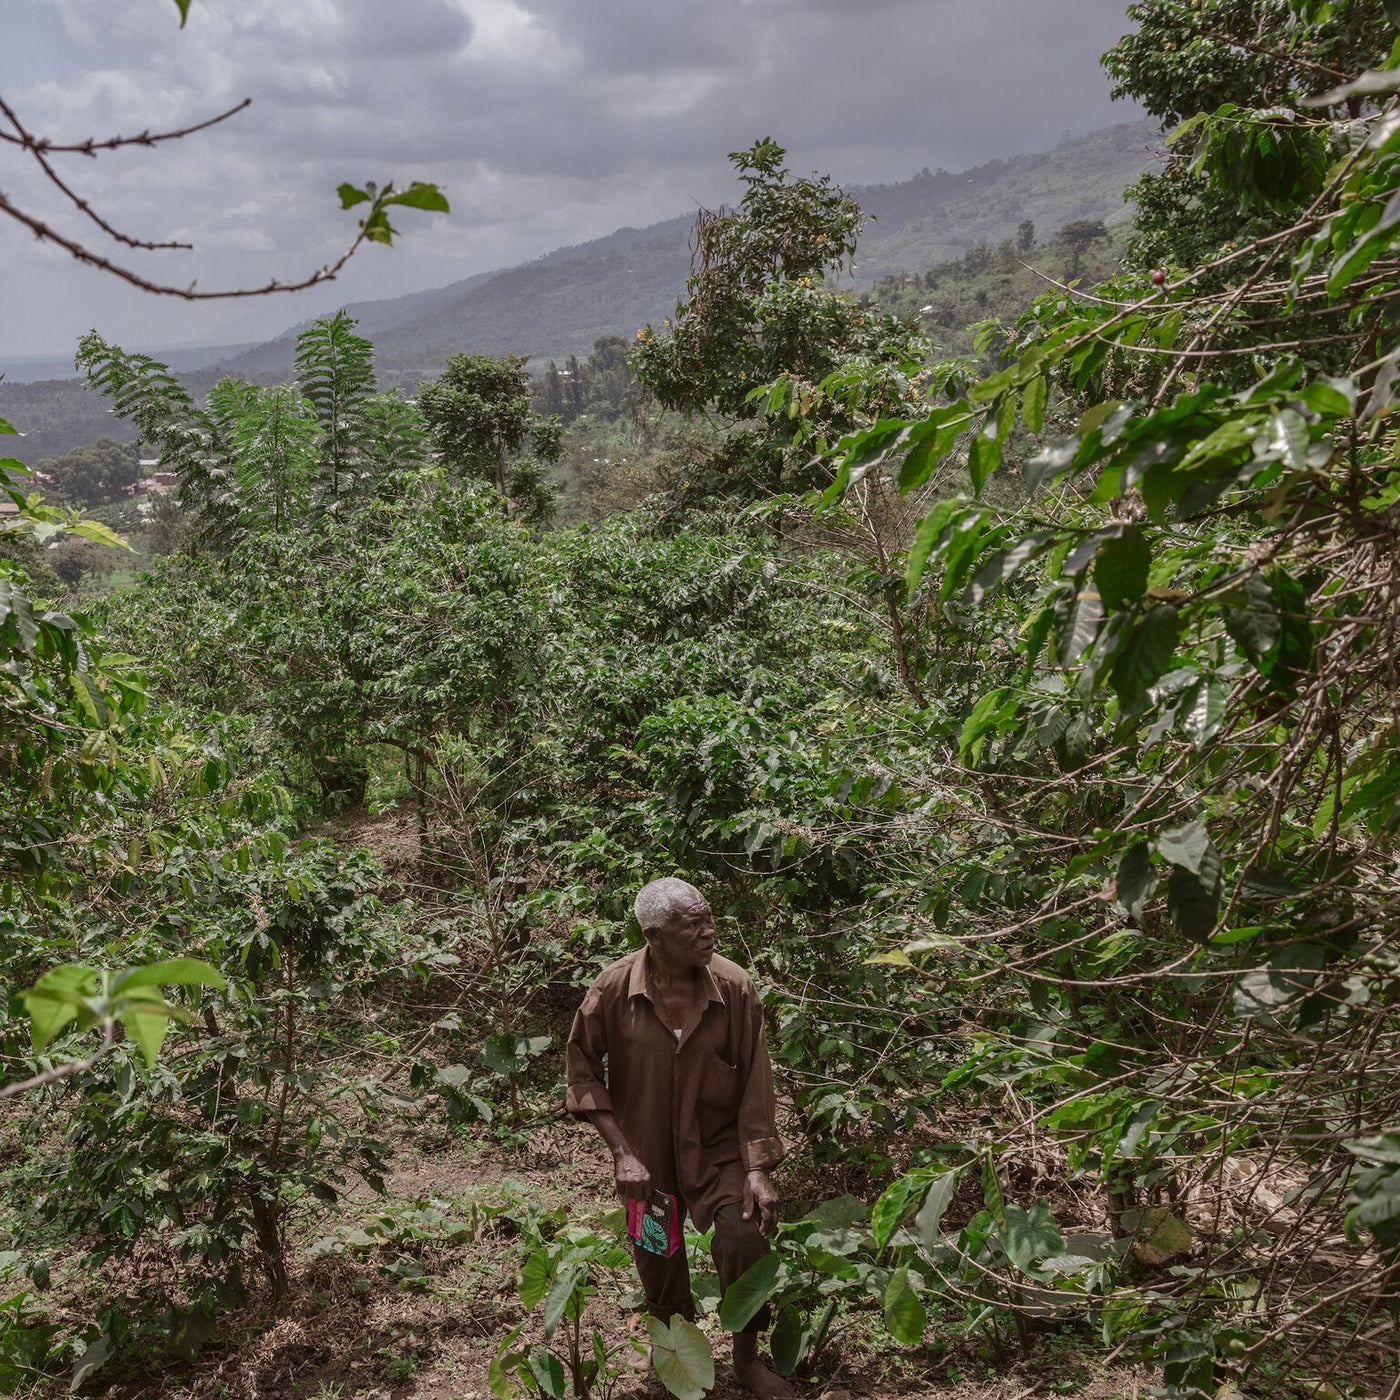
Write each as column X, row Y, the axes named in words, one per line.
column 697, row 1109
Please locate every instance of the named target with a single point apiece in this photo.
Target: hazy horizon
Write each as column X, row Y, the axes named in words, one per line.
column 546, row 127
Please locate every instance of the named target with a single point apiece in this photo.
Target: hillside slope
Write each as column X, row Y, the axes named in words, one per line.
column 1083, row 179
column 560, row 304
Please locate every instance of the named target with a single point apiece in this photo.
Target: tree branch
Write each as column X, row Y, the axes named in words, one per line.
column 91, row 147
column 56, row 1072
column 85, row 255
column 54, row 178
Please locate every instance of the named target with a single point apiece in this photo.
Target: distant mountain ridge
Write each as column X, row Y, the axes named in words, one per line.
column 560, row 303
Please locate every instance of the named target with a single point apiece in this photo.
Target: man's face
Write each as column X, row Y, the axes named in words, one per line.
column 687, row 937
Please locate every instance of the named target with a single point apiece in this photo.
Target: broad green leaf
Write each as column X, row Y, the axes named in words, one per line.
column 991, row 1189
column 1033, row 398
column 991, row 712
column 1286, row 979
column 547, row 1371
column 501, row 1055
column 1054, row 459
column 1359, row 256
column 840, row 1212
column 935, row 1206
column 14, row 602
column 1136, row 880
column 1081, row 627
column 905, row 1314
column 560, row 1291
column 350, row 196
column 1194, row 896
column 91, row 700
column 1121, row 568
column 1144, row 654
column 1003, row 565
column 1203, row 719
column 55, row 1000
column 789, row 1341
column 894, row 1204
column 92, row 1360
column 536, row 1274
column 420, row 196
column 188, row 1331
column 1371, row 83
column 748, row 1293
column 1161, row 1235
column 147, row 1026
column 178, row 972
column 1031, row 1235
column 1332, row 398
column 983, row 458
column 95, row 530
column 930, row 531
column 1185, row 846
column 499, row 1379
column 184, row 8
column 8, row 427
column 681, row 1356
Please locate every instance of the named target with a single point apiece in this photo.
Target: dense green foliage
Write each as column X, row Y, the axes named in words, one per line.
column 561, row 304
column 1029, row 715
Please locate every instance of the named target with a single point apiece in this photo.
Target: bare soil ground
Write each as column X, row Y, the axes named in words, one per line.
column 350, row 1330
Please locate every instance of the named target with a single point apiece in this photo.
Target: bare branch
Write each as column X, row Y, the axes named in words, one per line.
column 90, row 147
column 85, row 255
column 37, row 152
column 56, row 1072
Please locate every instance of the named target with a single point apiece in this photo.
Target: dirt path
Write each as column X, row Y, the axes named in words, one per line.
column 412, row 1318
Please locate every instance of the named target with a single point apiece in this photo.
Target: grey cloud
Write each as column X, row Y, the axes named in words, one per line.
column 547, row 121
column 379, row 30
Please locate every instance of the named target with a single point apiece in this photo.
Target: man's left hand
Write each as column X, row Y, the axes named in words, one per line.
column 761, row 1200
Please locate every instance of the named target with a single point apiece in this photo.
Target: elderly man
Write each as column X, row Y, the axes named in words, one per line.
column 687, row 1105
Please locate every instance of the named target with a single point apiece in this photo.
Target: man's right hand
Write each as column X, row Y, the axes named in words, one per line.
column 633, row 1179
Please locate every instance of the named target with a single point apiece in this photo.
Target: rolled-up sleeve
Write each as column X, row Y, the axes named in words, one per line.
column 587, row 1048
column 760, row 1147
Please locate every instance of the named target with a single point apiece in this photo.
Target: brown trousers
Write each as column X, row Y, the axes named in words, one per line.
column 736, row 1246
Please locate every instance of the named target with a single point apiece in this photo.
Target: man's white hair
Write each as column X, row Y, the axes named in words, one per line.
column 656, row 902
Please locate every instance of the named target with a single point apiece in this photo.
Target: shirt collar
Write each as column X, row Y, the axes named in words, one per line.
column 639, row 980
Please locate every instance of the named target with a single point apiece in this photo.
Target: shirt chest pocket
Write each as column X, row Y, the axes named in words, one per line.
column 719, row 1082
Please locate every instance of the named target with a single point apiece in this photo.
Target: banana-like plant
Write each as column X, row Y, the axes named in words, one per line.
column 274, row 445
column 335, row 373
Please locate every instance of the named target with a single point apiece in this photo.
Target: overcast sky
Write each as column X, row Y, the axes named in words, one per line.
column 548, row 122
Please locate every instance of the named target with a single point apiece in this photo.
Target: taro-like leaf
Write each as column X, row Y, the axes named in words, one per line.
column 789, row 1341
column 548, row 1373
column 681, row 1357
column 748, row 1293
column 1031, row 1235
column 905, row 1314
column 557, row 1299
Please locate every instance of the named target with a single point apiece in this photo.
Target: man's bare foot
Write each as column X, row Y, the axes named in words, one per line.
column 753, row 1375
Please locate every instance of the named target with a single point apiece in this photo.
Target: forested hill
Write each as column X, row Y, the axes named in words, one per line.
column 562, row 303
